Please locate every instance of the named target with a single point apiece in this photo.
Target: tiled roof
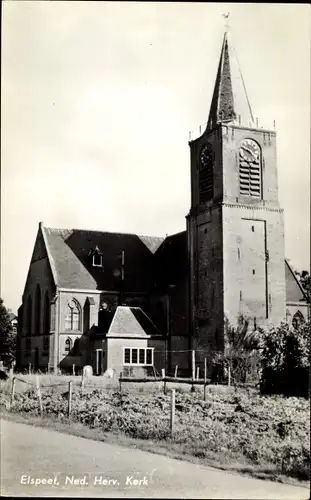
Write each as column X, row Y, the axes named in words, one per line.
column 132, row 322
column 68, row 269
column 147, row 261
column 72, row 267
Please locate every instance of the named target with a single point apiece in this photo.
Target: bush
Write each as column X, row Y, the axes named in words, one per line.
column 285, row 360
column 296, row 461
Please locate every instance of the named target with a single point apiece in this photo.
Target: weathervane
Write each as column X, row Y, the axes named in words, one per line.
column 226, row 16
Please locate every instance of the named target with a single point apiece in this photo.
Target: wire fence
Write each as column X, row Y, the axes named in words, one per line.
column 133, row 385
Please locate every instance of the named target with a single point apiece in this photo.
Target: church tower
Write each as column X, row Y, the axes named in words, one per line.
column 235, row 224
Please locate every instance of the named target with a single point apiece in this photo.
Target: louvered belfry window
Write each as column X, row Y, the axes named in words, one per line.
column 250, row 169
column 206, row 173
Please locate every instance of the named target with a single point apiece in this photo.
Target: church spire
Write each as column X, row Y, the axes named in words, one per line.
column 229, row 102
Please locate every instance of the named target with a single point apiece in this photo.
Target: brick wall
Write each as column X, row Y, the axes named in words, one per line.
column 39, row 274
column 82, row 334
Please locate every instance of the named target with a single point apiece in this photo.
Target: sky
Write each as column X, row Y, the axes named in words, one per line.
column 98, row 99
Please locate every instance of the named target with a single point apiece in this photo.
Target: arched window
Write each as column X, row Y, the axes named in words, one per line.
column 29, row 315
column 38, row 311
column 250, row 169
column 46, row 328
column 73, row 316
column 68, row 345
column 298, row 319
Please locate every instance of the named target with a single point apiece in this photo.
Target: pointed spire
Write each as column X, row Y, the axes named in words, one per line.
column 229, row 102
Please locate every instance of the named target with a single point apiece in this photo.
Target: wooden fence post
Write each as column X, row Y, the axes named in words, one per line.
column 229, row 375
column 12, row 393
column 193, row 364
column 176, row 369
column 82, row 381
column 193, row 370
column 120, row 381
column 198, row 373
column 73, row 369
column 164, row 381
column 172, row 419
column 29, row 368
column 39, row 395
column 69, row 397
column 205, row 370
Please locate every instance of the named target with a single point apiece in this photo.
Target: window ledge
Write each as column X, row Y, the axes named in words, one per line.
column 135, row 364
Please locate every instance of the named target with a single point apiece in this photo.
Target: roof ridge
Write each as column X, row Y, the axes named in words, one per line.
column 54, row 229
column 296, row 279
column 150, row 320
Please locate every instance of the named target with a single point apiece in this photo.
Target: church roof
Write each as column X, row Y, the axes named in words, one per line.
column 12, row 316
column 150, row 263
column 171, row 260
column 132, row 322
column 294, row 291
column 69, row 252
column 230, row 101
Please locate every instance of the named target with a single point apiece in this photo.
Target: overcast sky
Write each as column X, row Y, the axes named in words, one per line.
column 97, row 103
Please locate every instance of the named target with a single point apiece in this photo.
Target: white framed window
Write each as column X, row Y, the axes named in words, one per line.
column 142, row 356
column 97, row 260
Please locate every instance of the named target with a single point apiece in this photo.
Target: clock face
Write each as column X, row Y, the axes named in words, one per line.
column 249, row 151
column 206, row 156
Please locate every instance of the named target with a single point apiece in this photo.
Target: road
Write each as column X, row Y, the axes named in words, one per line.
column 86, row 468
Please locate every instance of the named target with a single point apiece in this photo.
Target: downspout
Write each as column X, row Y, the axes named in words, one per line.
column 58, row 327
column 56, row 334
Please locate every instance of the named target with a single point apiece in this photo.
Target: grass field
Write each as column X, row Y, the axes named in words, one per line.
column 234, row 428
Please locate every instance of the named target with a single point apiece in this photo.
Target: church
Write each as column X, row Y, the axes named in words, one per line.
column 138, row 304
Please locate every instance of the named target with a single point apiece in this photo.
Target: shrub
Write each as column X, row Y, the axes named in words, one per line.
column 296, row 461
column 285, row 360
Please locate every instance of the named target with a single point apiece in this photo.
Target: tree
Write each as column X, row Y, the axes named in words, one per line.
column 286, row 360
column 241, row 355
column 304, row 280
column 7, row 337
